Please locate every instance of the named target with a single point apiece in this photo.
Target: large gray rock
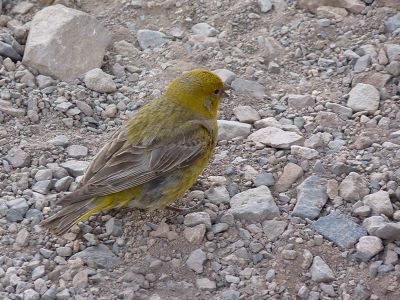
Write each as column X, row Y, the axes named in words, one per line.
column 99, row 81
column 228, row 130
column 354, row 187
column 254, row 205
column 380, row 203
column 311, row 197
column 149, row 39
column 18, row 158
column 393, row 22
column 277, row 138
column 368, row 247
column 340, row 230
column 364, row 97
column 75, row 167
column 98, row 257
column 65, row 43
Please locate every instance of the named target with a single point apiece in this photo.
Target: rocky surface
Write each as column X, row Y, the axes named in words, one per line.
column 302, row 196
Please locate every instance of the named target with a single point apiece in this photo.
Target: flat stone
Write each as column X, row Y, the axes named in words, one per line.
column 380, row 203
column 227, row 76
column 267, row 122
column 99, row 256
column 328, row 119
column 80, row 280
column 303, row 152
column 51, row 45
column 195, row 235
column 393, row 52
column 31, row 294
column 336, row 13
column 228, row 130
column 204, row 29
column 197, row 218
column 75, row 167
column 246, row 114
column 373, row 223
column 339, row 109
column 77, row 151
column 205, row 284
column 300, row 101
column 99, row 81
column 264, row 179
column 248, row 87
column 276, row 138
column 114, row 227
column 337, row 228
column 265, row 5
column 44, row 174
column 273, row 229
column 291, row 173
column 364, row 97
column 149, row 39
column 388, row 231
column 18, row 158
column 354, row 187
column 393, row 22
column 42, row 187
column 362, row 63
column 311, row 197
column 217, row 195
column 368, row 247
column 22, row 238
column 22, row 8
column 254, row 205
column 196, row 261
column 320, row 271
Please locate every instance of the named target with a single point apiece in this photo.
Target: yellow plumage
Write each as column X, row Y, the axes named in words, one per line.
column 155, row 158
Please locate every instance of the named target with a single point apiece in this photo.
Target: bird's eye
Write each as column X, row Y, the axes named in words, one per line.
column 216, row 92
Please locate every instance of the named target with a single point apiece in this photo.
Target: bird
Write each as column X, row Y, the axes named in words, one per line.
column 153, row 159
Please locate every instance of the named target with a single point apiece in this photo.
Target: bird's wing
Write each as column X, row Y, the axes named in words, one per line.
column 120, row 165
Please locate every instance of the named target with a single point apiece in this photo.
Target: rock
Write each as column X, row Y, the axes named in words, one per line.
column 362, row 211
column 248, row 87
column 265, row 5
column 339, row 229
column 394, row 68
column 354, row 187
column 300, row 101
column 17, row 209
column 228, row 130
column 362, row 63
column 52, row 49
column 44, row 81
column 8, row 109
column 204, row 29
column 303, row 152
column 22, row 238
column 267, row 122
column 38, row 272
column 291, row 173
column 328, row 119
column 22, row 8
column 18, row 158
column 354, row 6
column 254, row 205
column 44, row 174
column 75, row 167
column 8, row 51
column 42, row 187
column 339, row 109
column 388, row 231
column 273, row 229
column 393, row 52
column 364, row 97
column 275, row 137
column 368, row 247
column 311, row 197
column 336, row 13
column 114, row 227
column 320, row 271
column 80, row 280
column 264, row 179
column 149, row 39
column 99, row 81
column 77, row 151
column 196, row 261
column 378, row 80
column 246, row 114
column 205, row 284
column 217, row 195
column 372, row 224
column 219, row 227
column 393, row 22
column 380, row 203
column 307, row 259
column 270, row 48
column 195, row 235
column 98, row 257
column 60, row 140
column 227, row 76
column 31, row 294
column 197, row 218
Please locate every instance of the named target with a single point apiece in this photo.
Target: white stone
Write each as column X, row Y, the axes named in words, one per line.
column 364, row 97
column 228, row 130
column 368, row 247
column 379, row 203
column 275, row 137
column 99, row 81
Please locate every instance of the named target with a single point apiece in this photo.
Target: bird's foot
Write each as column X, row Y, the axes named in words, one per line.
column 186, row 210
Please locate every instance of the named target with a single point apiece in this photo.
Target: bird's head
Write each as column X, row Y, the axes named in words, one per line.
column 199, row 90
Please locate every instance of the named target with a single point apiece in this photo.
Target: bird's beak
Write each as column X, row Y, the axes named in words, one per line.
column 225, row 92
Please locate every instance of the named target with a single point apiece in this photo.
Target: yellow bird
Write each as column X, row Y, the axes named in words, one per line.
column 155, row 158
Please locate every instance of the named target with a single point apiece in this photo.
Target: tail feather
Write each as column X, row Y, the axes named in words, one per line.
column 67, row 217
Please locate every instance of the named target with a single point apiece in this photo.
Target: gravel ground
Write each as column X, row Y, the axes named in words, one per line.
column 302, row 197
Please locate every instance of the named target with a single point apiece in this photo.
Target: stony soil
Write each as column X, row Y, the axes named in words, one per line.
column 314, row 138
